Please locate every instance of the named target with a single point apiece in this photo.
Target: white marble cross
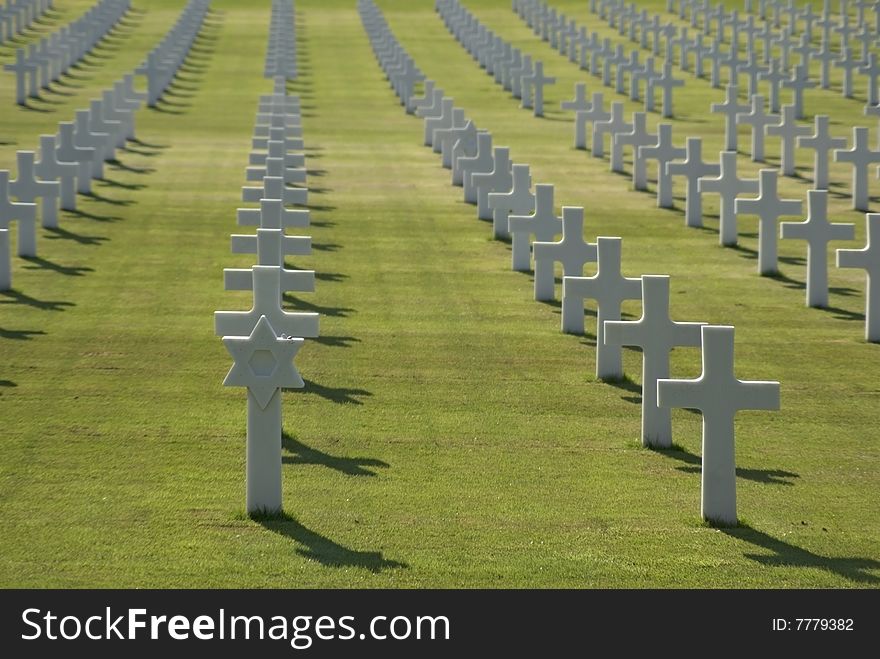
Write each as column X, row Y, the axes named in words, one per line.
column 518, row 201
column 543, row 224
column 637, row 137
column 500, row 179
column 774, row 78
column 415, row 102
column 536, row 82
column 609, row 289
column 264, row 364
column 788, row 131
column 84, row 138
column 768, row 207
column 28, row 188
column 614, row 124
column 719, row 395
column 580, row 101
column 799, row 83
column 267, row 283
column 274, row 188
column 23, row 213
column 273, row 215
column 463, row 149
column 849, row 63
column 595, row 114
column 867, row 259
column 663, row 152
column 822, row 143
column 656, row 334
column 572, row 251
column 667, row 85
column 482, row 162
column 439, row 121
column 729, row 186
column 693, row 168
column 758, row 119
column 730, row 110
column 817, row 232
column 871, row 70
column 68, row 151
column 445, row 138
column 270, row 246
column 860, row 156
column 22, row 66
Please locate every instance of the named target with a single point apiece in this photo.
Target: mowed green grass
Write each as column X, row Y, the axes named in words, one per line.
column 449, row 435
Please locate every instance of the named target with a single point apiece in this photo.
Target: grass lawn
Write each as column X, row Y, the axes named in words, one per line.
column 449, row 435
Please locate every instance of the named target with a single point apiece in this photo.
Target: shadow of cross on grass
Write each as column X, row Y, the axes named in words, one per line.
column 321, row 548
column 694, row 465
column 306, row 455
column 334, row 394
column 788, row 555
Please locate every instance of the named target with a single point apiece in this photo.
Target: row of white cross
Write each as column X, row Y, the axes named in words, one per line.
column 16, row 16
column 44, row 62
column 702, row 177
column 68, row 162
column 264, row 340
column 162, row 63
column 673, row 43
column 501, row 192
column 281, row 49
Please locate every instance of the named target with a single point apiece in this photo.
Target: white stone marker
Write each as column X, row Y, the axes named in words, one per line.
column 871, row 70
column 758, row 119
column 799, row 83
column 860, row 156
column 535, row 81
column 518, row 201
column 656, row 335
column 774, row 77
column 267, row 284
column 416, row 102
column 730, row 110
column 822, row 143
column 667, row 84
column 442, row 120
column 788, row 131
column 817, row 232
column 729, row 186
column 693, row 168
column 580, row 101
column 84, row 138
column 500, row 179
column 24, row 213
column 274, row 188
column 637, row 137
column 68, row 151
column 719, row 395
column 443, row 139
column 28, row 188
column 868, row 259
column 543, row 224
column 263, row 364
column 466, row 147
column 768, row 207
column 663, row 152
column 482, row 162
column 5, row 261
column 595, row 114
column 609, row 289
column 572, row 251
column 614, row 124
column 49, row 168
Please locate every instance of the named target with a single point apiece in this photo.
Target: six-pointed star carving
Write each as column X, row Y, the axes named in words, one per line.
column 254, row 373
